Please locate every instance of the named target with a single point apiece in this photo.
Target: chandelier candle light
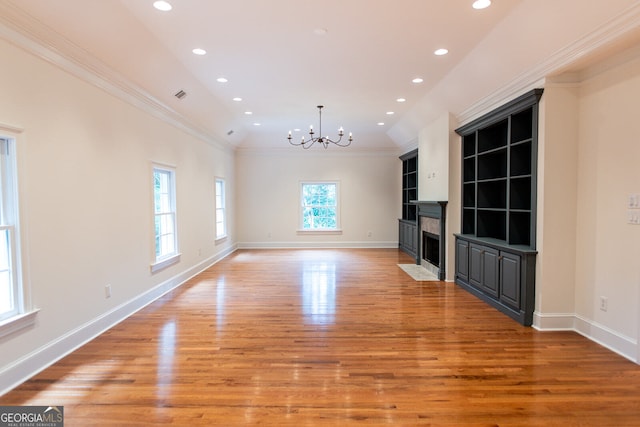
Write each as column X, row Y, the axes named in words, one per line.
column 324, row 140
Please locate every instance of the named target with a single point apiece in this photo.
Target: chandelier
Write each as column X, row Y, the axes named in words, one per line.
column 324, row 140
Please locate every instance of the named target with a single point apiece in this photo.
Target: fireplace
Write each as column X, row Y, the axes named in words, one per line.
column 431, row 223
column 431, row 248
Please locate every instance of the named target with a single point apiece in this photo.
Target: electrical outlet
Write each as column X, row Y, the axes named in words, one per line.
column 603, row 303
column 369, row 234
column 107, row 291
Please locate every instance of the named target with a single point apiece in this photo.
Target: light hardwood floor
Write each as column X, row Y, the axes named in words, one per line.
column 332, row 337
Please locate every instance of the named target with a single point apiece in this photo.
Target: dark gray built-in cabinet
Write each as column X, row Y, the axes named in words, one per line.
column 496, row 250
column 408, row 224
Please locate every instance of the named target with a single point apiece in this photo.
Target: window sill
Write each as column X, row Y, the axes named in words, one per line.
column 332, row 231
column 18, row 322
column 161, row 265
column 220, row 239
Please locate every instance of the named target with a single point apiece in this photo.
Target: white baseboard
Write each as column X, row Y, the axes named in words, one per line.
column 554, row 321
column 38, row 360
column 614, row 341
column 318, row 245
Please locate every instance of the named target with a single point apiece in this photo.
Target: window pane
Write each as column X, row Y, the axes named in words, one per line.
column 6, row 293
column 5, row 249
column 319, row 206
column 165, row 220
column 220, row 219
column 10, row 290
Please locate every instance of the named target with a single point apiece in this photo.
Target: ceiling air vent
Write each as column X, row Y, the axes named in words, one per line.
column 180, row 94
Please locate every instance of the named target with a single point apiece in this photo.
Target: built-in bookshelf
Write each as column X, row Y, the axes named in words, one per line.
column 409, row 185
column 408, row 237
column 498, row 177
column 495, row 251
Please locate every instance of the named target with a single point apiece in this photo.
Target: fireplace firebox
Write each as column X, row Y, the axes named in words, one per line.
column 432, row 236
column 431, row 248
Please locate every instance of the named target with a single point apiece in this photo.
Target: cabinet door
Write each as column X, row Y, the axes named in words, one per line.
column 462, row 260
column 475, row 265
column 490, row 272
column 483, row 269
column 510, row 275
column 412, row 238
column 405, row 237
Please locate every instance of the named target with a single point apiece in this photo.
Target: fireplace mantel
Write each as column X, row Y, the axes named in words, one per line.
column 437, row 210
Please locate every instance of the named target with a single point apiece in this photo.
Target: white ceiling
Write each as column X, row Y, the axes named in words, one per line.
column 282, row 69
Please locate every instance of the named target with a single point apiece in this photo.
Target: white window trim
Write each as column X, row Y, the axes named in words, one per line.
column 18, row 322
column 224, row 208
column 26, row 315
column 163, row 262
column 319, row 231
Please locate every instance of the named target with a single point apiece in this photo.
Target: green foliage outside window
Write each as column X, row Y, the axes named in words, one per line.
column 319, row 206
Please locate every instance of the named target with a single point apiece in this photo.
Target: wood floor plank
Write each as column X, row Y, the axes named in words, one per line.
column 332, row 337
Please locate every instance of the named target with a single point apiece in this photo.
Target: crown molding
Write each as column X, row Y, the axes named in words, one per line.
column 248, row 151
column 616, row 27
column 24, row 31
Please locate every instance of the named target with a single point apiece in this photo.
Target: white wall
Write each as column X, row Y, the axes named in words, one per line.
column 556, row 206
column 454, row 205
column 588, row 168
column 86, row 206
column 433, row 161
column 438, row 176
column 269, row 191
column 608, row 248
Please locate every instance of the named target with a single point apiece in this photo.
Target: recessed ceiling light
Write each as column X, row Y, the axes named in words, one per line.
column 441, row 52
column 237, row 99
column 380, row 123
column 256, row 124
column 248, row 113
column 198, row 51
column 320, row 31
column 221, row 80
column 481, row 4
column 162, row 5
column 418, row 80
column 400, row 99
column 390, row 113
column 296, row 130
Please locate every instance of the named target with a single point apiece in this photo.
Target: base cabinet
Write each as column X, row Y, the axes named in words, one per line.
column 408, row 233
column 501, row 275
column 462, row 260
column 510, row 279
column 484, row 268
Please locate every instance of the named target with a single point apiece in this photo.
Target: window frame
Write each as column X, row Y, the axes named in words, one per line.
column 335, row 230
column 22, row 314
column 220, row 208
column 166, row 259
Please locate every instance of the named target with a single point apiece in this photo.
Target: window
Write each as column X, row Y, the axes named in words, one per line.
column 319, row 210
column 11, row 291
column 221, row 214
column 164, row 201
